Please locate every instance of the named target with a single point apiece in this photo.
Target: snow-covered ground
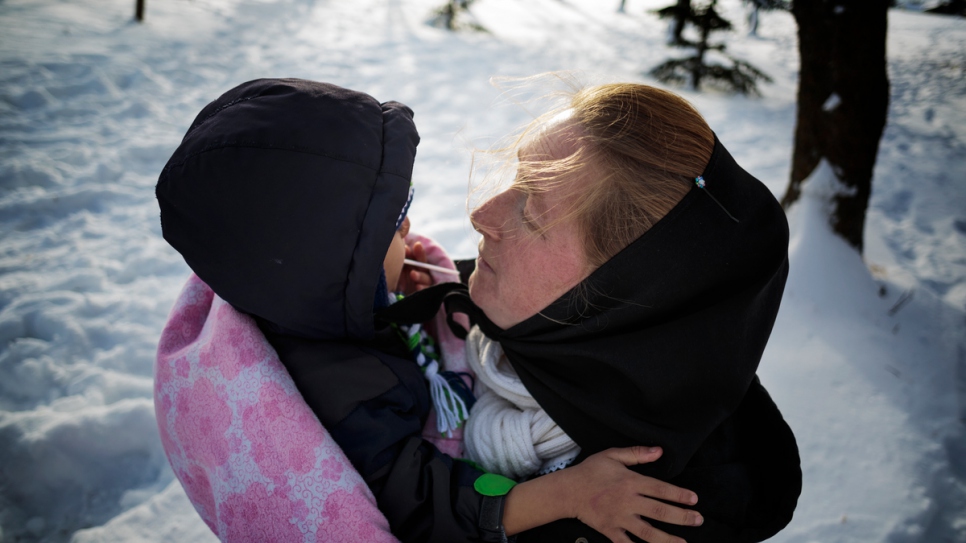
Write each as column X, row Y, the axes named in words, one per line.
column 867, row 360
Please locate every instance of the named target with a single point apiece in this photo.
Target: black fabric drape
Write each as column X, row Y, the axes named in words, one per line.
column 660, row 345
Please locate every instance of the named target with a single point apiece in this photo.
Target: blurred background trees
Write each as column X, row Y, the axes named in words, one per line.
column 843, row 92
column 727, row 71
column 455, row 15
column 757, row 6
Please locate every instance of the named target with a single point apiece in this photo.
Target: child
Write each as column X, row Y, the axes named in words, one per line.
column 288, row 199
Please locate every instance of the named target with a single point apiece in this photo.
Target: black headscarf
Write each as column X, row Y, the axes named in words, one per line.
column 660, row 345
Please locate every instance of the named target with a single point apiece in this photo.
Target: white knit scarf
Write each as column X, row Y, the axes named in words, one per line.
column 507, row 432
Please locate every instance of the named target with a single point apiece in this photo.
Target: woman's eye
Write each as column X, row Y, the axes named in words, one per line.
column 528, row 223
column 524, row 218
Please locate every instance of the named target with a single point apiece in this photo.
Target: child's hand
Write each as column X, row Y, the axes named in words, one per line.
column 413, row 279
column 603, row 494
column 612, row 499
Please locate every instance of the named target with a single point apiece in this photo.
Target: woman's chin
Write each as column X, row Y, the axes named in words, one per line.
column 475, row 287
column 482, row 295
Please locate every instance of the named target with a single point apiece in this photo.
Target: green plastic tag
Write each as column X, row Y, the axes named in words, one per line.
column 491, row 484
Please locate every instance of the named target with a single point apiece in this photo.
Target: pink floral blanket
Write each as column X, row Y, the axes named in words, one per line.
column 251, row 455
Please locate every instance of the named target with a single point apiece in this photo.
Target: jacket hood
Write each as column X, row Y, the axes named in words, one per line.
column 660, row 346
column 283, row 197
column 661, row 343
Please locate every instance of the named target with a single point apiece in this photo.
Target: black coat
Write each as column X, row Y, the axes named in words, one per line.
column 373, row 400
column 659, row 346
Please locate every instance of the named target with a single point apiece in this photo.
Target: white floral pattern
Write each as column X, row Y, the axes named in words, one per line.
column 250, row 453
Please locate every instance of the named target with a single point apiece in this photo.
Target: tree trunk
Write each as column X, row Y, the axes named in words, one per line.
column 449, row 15
column 697, row 69
column 682, row 10
column 843, row 99
column 753, row 19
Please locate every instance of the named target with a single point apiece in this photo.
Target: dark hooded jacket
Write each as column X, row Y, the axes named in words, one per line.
column 283, row 198
column 659, row 346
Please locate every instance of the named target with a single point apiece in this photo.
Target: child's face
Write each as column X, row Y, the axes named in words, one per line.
column 393, row 263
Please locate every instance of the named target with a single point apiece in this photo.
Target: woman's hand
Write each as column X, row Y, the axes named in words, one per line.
column 414, row 279
column 603, row 494
column 612, row 499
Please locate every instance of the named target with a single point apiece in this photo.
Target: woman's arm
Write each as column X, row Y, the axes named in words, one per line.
column 603, row 494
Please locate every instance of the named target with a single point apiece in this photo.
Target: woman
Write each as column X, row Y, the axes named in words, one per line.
column 632, row 275
column 371, row 397
column 629, row 279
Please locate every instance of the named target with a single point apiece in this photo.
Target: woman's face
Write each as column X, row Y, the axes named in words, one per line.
column 520, row 270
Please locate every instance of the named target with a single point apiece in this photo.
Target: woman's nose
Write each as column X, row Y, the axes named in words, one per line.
column 491, row 218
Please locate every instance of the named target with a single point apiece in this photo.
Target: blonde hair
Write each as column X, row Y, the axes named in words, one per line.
column 640, row 146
